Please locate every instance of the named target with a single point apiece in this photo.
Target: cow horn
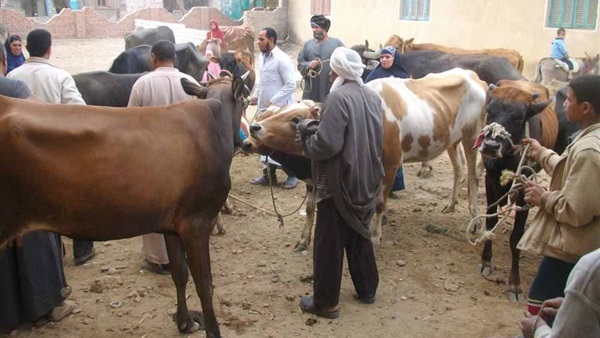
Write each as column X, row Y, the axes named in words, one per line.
column 370, row 55
column 210, row 75
column 245, row 75
column 366, row 43
column 492, row 86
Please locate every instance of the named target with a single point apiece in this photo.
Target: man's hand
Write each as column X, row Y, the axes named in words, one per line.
column 534, row 148
column 528, row 322
column 253, row 101
column 314, row 63
column 550, row 308
column 533, row 193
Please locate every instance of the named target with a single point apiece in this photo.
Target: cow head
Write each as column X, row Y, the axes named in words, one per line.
column 277, row 131
column 590, row 64
column 508, row 111
column 230, row 92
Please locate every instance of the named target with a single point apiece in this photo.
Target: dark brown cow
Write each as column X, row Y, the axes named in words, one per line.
column 103, row 173
column 403, row 46
column 511, row 106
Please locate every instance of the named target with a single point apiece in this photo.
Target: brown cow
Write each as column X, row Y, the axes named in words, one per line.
column 402, row 46
column 512, row 105
column 422, row 119
column 104, row 173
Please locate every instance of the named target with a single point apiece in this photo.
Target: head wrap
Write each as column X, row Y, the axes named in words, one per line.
column 13, row 61
column 320, row 21
column 216, row 33
column 347, row 64
column 388, row 50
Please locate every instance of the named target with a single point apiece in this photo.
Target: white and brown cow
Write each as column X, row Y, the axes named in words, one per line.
column 422, row 119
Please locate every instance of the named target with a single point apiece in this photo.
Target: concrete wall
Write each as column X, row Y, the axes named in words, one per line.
column 515, row 24
column 89, row 23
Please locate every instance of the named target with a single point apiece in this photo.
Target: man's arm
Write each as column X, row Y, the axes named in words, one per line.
column 303, row 60
column 576, row 204
column 330, row 136
column 286, row 71
column 69, row 93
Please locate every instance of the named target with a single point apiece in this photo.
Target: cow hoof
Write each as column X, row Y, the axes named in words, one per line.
column 485, row 269
column 300, row 247
column 194, row 323
column 515, row 296
column 425, row 172
column 448, row 209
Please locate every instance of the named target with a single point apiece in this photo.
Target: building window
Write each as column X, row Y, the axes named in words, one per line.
column 572, row 13
column 103, row 3
column 322, row 7
column 417, row 10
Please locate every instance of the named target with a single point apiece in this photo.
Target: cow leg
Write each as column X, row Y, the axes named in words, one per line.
column 382, row 198
column 227, row 209
column 514, row 291
column 195, row 236
column 493, row 192
column 456, row 169
column 179, row 272
column 472, row 175
column 308, row 223
column 218, row 224
column 426, row 170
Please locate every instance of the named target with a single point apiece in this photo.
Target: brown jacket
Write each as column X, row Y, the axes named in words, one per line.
column 567, row 225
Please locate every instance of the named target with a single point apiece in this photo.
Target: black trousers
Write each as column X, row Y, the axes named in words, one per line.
column 81, row 247
column 332, row 236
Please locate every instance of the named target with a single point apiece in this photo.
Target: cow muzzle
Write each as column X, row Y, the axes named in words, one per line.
column 491, row 149
column 247, row 146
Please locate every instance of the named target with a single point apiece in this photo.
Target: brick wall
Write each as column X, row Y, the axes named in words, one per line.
column 88, row 23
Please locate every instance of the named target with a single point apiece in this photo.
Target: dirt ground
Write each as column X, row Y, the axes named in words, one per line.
column 259, row 280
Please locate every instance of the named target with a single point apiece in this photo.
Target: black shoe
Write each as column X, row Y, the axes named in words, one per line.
column 307, row 304
column 79, row 260
column 161, row 269
column 365, row 299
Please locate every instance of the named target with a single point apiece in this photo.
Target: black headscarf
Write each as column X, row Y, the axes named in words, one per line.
column 321, row 21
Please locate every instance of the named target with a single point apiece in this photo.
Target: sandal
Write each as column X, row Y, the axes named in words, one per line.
column 161, row 269
column 290, row 183
column 61, row 311
column 307, row 304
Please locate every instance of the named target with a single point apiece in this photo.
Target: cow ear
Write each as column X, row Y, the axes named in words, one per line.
column 193, row 89
column 535, row 108
column 237, row 87
column 409, row 41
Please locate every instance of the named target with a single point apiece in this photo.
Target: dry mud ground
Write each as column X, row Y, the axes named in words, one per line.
column 438, row 293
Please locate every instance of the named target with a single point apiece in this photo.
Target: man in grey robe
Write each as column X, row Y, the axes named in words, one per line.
column 313, row 60
column 346, row 146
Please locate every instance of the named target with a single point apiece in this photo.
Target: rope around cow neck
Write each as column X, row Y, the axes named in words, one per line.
column 519, row 181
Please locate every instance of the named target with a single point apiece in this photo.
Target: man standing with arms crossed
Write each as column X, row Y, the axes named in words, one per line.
column 276, row 87
column 160, row 87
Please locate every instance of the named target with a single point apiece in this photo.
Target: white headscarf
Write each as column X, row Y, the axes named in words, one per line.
column 347, row 64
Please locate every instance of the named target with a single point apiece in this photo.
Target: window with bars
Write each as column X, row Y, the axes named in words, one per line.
column 417, row 10
column 322, row 7
column 103, row 3
column 580, row 14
